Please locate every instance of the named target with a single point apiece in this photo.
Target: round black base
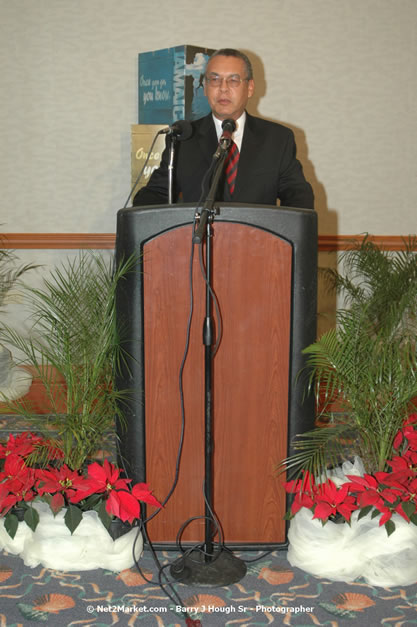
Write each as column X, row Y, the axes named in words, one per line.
column 222, row 570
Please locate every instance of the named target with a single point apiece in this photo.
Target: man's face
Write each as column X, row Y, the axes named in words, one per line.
column 225, row 100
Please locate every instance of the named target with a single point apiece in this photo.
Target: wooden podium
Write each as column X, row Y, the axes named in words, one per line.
column 264, row 276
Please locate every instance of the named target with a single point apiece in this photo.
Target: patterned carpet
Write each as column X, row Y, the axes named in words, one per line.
column 271, row 593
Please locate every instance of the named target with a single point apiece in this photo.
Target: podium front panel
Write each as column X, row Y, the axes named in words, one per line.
column 257, row 402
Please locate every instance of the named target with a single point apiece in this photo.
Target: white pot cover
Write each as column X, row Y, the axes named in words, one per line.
column 53, row 546
column 343, row 552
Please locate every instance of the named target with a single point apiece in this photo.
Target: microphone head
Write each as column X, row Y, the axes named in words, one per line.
column 182, row 129
column 229, row 125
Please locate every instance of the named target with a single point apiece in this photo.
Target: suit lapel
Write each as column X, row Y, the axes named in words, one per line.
column 207, row 138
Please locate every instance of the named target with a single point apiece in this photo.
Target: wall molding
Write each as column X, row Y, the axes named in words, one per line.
column 57, row 240
column 345, row 242
column 102, row 241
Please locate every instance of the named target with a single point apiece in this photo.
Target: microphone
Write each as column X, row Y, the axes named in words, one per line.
column 229, row 127
column 181, row 129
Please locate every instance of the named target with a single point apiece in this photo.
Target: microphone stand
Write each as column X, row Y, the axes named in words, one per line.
column 208, row 568
column 172, row 143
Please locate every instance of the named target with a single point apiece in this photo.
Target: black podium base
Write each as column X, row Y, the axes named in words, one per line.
column 222, row 570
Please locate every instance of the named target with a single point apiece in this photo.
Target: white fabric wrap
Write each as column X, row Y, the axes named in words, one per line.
column 343, row 552
column 53, row 546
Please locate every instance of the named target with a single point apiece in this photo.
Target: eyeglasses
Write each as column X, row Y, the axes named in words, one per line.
column 232, row 82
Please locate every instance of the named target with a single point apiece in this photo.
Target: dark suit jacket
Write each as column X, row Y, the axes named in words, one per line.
column 267, row 170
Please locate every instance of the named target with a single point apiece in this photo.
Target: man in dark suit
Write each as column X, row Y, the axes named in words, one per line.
column 267, row 167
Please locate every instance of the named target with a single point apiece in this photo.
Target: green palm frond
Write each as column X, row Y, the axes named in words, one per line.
column 368, row 363
column 320, row 449
column 75, row 336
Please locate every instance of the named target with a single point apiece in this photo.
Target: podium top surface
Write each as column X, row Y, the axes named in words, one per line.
column 223, row 209
column 139, row 224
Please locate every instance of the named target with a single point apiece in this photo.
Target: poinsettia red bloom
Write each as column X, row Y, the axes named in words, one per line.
column 27, row 443
column 304, row 490
column 332, row 500
column 17, row 483
column 13, row 465
column 7, row 500
column 15, row 468
column 142, row 492
column 302, row 499
column 106, row 478
column 389, row 493
column 305, row 484
column 391, row 481
column 400, row 464
column 411, row 436
column 23, row 444
column 398, row 440
column 411, row 459
column 399, row 509
column 407, row 434
column 121, row 501
column 62, row 480
column 411, row 420
column 388, row 511
column 61, row 486
column 25, row 491
column 386, row 514
column 123, row 505
column 408, row 495
column 370, row 491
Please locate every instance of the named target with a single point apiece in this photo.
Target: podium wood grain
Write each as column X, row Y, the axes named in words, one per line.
column 252, row 273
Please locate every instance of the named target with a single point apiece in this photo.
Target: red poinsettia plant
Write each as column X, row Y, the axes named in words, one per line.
column 383, row 493
column 101, row 488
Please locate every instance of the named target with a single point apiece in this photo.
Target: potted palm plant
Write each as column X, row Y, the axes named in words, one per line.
column 74, row 349
column 361, row 465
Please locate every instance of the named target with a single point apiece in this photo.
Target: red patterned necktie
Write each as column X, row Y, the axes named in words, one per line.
column 231, row 166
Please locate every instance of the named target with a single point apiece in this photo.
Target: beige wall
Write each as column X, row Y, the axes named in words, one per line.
column 341, row 73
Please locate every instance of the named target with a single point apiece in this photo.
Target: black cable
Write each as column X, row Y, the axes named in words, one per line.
column 198, row 545
column 173, row 595
column 256, row 559
column 142, row 527
column 181, row 442
column 181, row 390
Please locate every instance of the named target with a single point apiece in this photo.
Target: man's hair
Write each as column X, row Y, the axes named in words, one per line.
column 231, row 52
